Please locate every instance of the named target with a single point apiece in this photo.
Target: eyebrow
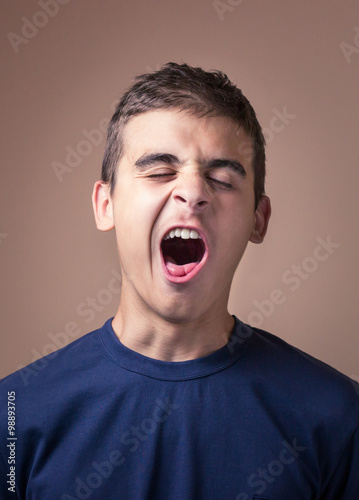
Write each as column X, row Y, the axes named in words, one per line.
column 148, row 160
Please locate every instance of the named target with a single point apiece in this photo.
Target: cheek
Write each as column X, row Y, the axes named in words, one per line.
column 236, row 231
column 238, row 212
column 136, row 212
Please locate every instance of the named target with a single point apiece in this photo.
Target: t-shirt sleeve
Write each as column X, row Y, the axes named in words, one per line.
column 344, row 482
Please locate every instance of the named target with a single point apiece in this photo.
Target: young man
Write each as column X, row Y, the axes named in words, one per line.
column 174, row 398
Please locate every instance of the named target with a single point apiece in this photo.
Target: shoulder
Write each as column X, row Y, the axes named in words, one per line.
column 317, row 386
column 60, row 364
column 49, row 390
column 286, row 355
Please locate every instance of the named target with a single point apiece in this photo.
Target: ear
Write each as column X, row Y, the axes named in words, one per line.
column 261, row 219
column 102, row 206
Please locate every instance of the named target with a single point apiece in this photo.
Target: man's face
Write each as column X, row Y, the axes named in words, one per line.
column 183, row 211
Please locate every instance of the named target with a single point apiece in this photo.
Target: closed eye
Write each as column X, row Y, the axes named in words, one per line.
column 166, row 174
column 221, row 183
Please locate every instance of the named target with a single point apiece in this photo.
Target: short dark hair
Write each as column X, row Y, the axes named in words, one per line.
column 190, row 89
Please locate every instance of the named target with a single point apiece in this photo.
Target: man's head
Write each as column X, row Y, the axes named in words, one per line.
column 178, row 187
column 195, row 91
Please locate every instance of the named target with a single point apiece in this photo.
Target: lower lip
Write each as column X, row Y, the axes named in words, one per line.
column 187, row 277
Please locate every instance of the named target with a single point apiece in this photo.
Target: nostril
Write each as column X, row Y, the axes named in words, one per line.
column 180, row 198
column 191, row 196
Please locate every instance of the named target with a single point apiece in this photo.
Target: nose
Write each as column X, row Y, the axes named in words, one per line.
column 192, row 190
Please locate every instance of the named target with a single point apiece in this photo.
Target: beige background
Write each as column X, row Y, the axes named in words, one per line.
column 286, row 56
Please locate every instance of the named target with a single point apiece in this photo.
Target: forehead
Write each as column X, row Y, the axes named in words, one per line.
column 182, row 133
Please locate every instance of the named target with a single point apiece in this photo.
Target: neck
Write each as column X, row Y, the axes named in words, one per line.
column 164, row 339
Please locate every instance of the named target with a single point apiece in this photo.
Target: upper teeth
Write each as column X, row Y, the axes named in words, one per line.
column 186, row 234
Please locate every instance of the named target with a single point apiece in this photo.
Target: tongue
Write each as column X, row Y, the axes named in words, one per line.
column 178, row 270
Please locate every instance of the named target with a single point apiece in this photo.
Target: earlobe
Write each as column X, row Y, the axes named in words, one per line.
column 261, row 219
column 102, row 206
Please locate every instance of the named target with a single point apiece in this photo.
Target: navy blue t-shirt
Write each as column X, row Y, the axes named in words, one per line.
column 256, row 419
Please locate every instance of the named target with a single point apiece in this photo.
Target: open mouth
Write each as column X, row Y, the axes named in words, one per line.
column 183, row 249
